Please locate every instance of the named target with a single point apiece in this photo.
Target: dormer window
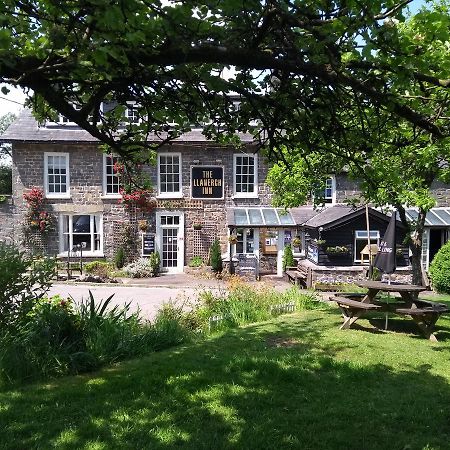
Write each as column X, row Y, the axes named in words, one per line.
column 131, row 113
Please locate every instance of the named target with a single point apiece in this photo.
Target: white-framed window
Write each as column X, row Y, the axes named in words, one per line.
column 361, row 241
column 111, row 180
column 85, row 230
column 245, row 175
column 245, row 240
column 169, row 175
column 56, row 175
column 131, row 113
column 329, row 195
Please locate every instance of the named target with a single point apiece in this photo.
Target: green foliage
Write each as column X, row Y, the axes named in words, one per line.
column 23, row 281
column 288, row 257
column 5, row 179
column 215, row 256
column 144, row 267
column 248, row 382
column 5, row 154
column 58, row 337
column 155, row 263
column 100, row 268
column 119, row 258
column 440, row 270
column 245, row 304
column 196, row 261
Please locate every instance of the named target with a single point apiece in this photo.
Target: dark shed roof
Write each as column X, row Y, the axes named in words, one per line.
column 334, row 216
column 26, row 129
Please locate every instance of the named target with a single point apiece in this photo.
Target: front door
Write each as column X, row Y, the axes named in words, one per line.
column 170, row 240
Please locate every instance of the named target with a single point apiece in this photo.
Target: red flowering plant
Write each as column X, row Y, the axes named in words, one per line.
column 36, row 218
column 142, row 199
column 136, row 188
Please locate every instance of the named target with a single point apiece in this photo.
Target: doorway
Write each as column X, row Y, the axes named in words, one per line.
column 170, row 240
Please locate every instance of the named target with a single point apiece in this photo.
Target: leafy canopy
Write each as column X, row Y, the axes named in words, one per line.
column 305, row 70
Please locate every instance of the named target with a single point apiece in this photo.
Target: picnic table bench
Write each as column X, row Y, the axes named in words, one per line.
column 425, row 313
column 352, row 310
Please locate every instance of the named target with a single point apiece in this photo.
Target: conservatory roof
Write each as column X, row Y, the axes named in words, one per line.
column 436, row 217
column 259, row 217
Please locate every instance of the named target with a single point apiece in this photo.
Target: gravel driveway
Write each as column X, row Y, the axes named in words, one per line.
column 147, row 299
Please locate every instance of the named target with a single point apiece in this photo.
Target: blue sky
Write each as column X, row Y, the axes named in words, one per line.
column 13, row 102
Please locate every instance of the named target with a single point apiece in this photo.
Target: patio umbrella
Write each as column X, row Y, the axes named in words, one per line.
column 386, row 257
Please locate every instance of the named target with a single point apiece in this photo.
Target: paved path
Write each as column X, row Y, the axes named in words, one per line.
column 147, row 299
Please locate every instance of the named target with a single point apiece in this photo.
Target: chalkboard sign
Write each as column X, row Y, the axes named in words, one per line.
column 148, row 244
column 207, row 182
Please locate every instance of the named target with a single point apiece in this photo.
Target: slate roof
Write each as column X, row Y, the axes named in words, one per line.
column 331, row 216
column 26, row 129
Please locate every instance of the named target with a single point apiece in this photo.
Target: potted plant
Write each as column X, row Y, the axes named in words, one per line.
column 143, row 225
column 232, row 239
column 197, row 226
column 337, row 250
column 296, row 242
column 321, row 242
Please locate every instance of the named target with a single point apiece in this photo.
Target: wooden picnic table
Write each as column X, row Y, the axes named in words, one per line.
column 425, row 313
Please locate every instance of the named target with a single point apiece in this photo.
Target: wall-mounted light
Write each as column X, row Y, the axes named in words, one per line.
column 218, row 161
column 195, row 161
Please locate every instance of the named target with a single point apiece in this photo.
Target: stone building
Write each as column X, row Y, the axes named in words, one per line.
column 202, row 191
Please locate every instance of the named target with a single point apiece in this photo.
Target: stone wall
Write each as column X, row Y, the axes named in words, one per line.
column 6, row 219
column 86, row 193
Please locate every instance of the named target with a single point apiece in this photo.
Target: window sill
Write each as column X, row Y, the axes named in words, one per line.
column 111, row 197
column 244, row 196
column 57, row 197
column 169, row 196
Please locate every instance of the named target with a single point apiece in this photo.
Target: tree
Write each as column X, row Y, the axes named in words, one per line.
column 5, row 156
column 298, row 63
column 5, row 121
column 396, row 164
column 313, row 75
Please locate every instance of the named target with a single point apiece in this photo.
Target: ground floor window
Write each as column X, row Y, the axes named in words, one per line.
column 245, row 240
column 81, row 230
column 361, row 241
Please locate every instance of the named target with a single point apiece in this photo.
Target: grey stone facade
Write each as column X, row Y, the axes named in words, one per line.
column 86, row 193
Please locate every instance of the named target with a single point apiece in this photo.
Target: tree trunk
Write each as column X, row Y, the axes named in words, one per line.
column 415, row 243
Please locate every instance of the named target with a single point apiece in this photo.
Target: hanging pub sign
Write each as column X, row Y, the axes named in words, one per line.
column 148, row 244
column 207, row 182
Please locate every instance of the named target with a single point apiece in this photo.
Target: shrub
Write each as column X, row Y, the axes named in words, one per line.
column 440, row 270
column 100, row 268
column 23, row 280
column 155, row 263
column 196, row 261
column 216, row 257
column 144, row 267
column 119, row 258
column 288, row 257
column 57, row 338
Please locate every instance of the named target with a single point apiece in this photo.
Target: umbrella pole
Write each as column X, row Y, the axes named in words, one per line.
column 370, row 271
column 389, row 300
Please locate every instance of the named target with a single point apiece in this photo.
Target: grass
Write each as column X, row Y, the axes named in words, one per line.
column 292, row 382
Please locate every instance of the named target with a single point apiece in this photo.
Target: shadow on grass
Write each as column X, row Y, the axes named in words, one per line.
column 238, row 390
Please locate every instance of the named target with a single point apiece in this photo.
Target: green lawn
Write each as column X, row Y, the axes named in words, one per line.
column 294, row 382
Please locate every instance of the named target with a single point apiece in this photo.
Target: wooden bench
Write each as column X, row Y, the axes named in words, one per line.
column 352, row 310
column 301, row 275
column 426, row 316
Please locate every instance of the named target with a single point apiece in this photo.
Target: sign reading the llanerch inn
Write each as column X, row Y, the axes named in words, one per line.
column 207, row 182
